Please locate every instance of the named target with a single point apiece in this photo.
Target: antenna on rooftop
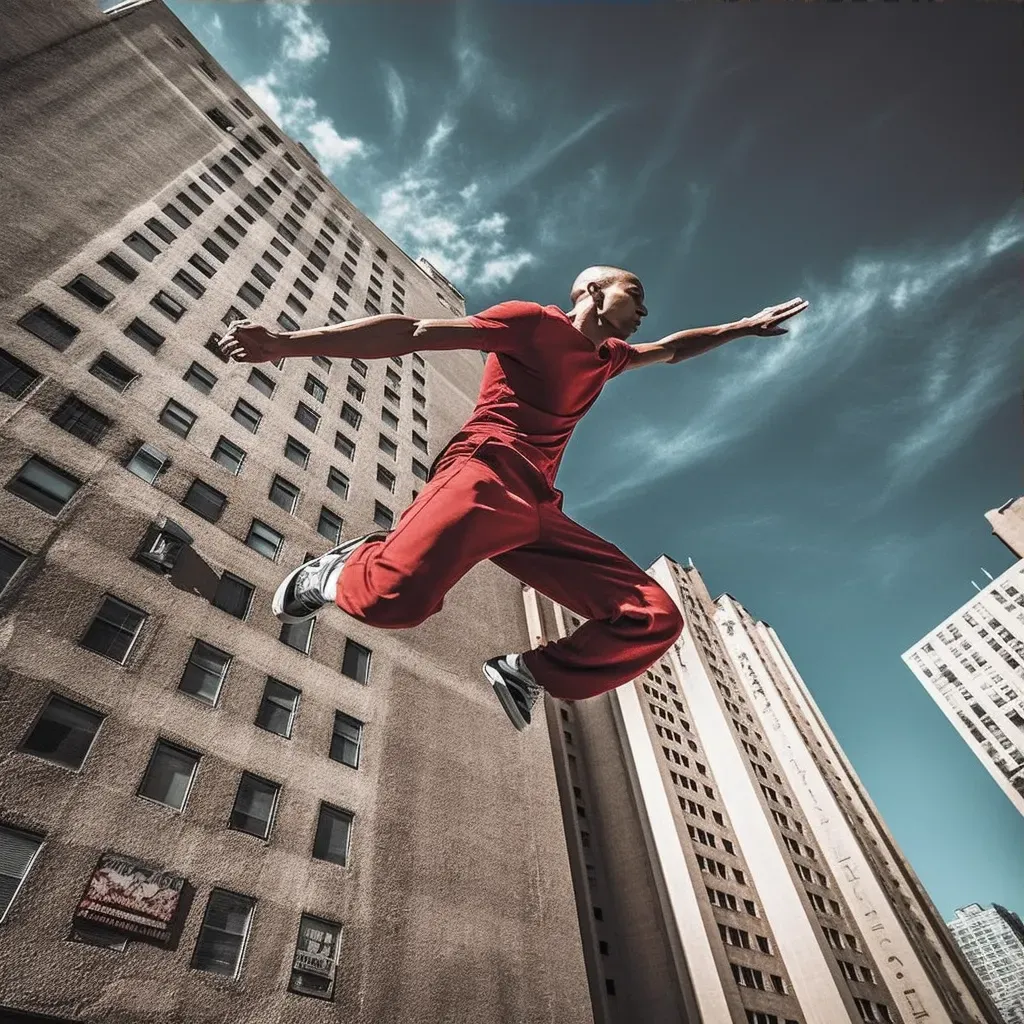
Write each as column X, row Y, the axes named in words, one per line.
column 987, row 573
column 976, row 587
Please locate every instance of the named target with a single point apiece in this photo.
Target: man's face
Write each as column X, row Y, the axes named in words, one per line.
column 623, row 305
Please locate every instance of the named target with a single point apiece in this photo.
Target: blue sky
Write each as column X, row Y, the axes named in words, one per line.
column 865, row 157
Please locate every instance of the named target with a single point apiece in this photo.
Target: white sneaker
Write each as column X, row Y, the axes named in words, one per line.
column 301, row 595
column 515, row 687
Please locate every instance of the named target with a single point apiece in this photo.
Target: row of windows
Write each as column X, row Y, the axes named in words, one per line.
column 738, row 937
column 727, row 901
column 750, row 977
column 223, row 932
column 714, row 867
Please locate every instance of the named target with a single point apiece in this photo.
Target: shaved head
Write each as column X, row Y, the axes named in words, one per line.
column 602, row 277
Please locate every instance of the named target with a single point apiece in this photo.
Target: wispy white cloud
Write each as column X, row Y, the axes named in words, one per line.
column 396, row 97
column 962, row 368
column 304, row 40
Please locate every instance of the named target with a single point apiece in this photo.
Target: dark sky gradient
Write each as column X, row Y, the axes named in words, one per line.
column 866, row 157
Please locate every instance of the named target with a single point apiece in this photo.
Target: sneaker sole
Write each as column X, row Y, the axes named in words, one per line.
column 497, row 682
column 277, row 603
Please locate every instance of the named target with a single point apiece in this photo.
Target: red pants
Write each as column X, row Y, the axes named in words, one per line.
column 487, row 501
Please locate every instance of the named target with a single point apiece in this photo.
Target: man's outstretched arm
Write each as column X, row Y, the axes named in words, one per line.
column 674, row 348
column 371, row 337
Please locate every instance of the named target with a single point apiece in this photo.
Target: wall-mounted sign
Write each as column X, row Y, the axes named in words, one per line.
column 132, row 898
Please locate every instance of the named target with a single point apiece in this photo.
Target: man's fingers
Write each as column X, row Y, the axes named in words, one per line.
column 783, row 313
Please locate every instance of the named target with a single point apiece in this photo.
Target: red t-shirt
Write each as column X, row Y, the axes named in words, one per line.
column 541, row 376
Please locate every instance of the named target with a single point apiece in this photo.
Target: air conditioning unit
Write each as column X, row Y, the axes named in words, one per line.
column 162, row 545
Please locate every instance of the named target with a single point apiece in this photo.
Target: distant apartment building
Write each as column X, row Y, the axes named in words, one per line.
column 972, row 666
column 993, row 942
column 1007, row 524
column 205, row 816
column 729, row 865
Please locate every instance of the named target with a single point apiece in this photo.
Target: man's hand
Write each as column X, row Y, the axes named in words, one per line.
column 246, row 342
column 766, row 323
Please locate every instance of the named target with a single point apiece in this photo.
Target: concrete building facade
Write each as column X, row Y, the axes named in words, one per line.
column 972, row 666
column 992, row 941
column 729, row 865
column 204, row 817
column 1007, row 524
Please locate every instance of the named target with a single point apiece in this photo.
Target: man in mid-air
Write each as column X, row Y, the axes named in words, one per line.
column 491, row 492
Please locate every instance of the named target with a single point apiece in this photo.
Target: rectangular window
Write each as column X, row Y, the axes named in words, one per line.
column 187, row 201
column 359, row 366
column 333, row 832
column 286, row 322
column 18, row 851
column 142, row 334
column 48, row 327
column 284, row 494
column 147, row 463
column 229, row 455
column 356, row 661
column 419, row 442
column 112, row 372
column 386, row 478
column 160, row 229
column 82, row 420
column 204, row 268
column 303, row 289
column 329, row 525
column 386, row 445
column 43, row 485
column 278, row 707
column 272, row 262
column 323, row 362
column 233, row 595
column 254, row 807
column 295, row 304
column 119, row 267
column 63, row 733
column 296, row 452
column 250, row 294
column 383, row 516
column 316, row 954
column 309, row 419
column 419, row 470
column 418, row 398
column 392, row 396
column 223, row 933
column 187, row 283
column 177, row 418
column 204, row 672
column 298, row 635
column 169, row 775
column 205, row 501
column 265, row 540
column 389, row 418
column 262, row 383
column 394, row 379
column 215, row 250
column 200, row 378
column 419, row 419
column 344, row 445
column 197, row 190
column 11, row 560
column 350, row 415
column 91, row 293
column 248, row 415
column 261, row 275
column 338, row 482
column 315, row 387
column 346, row 739
column 355, row 389
column 168, row 305
column 114, row 630
column 16, row 377
column 139, row 243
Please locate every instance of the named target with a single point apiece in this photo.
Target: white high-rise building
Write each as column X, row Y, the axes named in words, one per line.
column 973, row 667
column 993, row 943
column 729, row 866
